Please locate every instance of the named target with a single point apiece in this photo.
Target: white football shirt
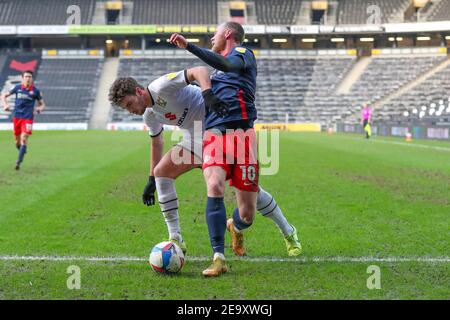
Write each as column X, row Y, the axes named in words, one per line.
column 176, row 103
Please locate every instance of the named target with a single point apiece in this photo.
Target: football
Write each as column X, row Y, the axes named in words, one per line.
column 166, row 257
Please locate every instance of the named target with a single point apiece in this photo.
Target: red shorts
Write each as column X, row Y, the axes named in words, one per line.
column 237, row 154
column 22, row 126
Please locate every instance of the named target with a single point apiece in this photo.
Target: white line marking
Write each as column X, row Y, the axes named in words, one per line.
column 337, row 259
column 406, row 144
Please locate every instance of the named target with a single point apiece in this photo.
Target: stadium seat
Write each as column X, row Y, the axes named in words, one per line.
column 69, row 88
column 43, row 12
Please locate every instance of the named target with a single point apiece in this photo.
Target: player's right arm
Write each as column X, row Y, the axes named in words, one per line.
column 156, row 153
column 4, row 101
column 233, row 63
column 6, row 95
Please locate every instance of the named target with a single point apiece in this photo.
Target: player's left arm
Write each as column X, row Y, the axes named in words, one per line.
column 212, row 103
column 201, row 75
column 40, row 102
column 233, row 63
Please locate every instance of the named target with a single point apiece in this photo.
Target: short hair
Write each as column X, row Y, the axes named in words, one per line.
column 238, row 31
column 27, row 71
column 121, row 88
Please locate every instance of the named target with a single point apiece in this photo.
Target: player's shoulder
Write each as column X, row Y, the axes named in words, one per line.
column 36, row 90
column 168, row 81
column 243, row 51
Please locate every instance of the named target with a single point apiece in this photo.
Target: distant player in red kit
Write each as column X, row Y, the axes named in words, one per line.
column 24, row 110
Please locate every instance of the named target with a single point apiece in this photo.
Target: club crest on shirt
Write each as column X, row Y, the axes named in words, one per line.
column 161, row 102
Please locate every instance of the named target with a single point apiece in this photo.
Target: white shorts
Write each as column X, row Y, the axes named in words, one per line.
column 192, row 141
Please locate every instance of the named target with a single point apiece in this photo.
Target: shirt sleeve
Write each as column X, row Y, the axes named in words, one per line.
column 170, row 83
column 38, row 95
column 13, row 90
column 215, row 60
column 155, row 127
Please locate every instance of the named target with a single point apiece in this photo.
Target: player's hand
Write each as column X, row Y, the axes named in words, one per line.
column 148, row 196
column 212, row 103
column 6, row 108
column 178, row 40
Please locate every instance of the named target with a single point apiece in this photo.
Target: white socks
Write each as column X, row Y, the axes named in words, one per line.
column 168, row 202
column 268, row 208
column 218, row 255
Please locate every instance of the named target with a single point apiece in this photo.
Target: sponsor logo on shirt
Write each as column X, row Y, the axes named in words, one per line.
column 183, row 116
column 21, row 95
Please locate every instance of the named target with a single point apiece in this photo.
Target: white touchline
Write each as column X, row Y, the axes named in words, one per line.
column 338, row 259
column 406, row 144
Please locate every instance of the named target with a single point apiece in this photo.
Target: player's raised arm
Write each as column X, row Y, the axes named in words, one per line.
column 215, row 60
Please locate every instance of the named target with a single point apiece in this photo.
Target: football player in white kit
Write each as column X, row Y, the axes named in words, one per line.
column 173, row 100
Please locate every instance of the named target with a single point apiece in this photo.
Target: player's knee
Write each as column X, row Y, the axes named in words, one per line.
column 247, row 213
column 162, row 170
column 158, row 171
column 216, row 187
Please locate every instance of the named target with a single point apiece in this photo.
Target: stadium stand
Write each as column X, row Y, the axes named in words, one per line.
column 268, row 12
column 380, row 79
column 281, row 12
column 439, row 11
column 2, row 60
column 328, row 73
column 298, row 87
column 43, row 12
column 175, row 12
column 304, row 87
column 435, row 90
column 355, row 12
column 68, row 86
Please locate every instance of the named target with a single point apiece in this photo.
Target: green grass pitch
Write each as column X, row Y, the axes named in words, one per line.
column 78, row 195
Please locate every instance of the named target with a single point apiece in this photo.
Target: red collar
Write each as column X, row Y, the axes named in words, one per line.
column 30, row 88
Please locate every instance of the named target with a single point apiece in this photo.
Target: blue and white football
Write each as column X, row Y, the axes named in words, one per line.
column 166, row 257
